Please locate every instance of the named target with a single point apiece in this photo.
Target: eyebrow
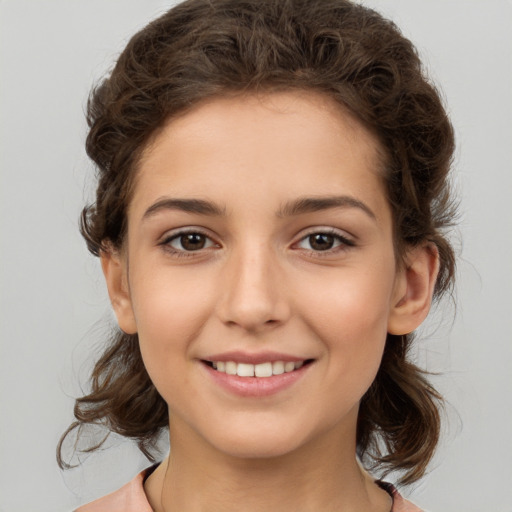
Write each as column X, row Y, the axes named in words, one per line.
column 198, row 206
column 297, row 207
column 315, row 204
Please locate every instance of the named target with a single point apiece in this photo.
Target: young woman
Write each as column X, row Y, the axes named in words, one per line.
column 269, row 217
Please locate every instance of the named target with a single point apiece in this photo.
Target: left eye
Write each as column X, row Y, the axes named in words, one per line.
column 323, row 242
column 189, row 242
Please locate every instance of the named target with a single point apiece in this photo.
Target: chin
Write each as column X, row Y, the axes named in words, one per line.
column 258, row 442
column 257, row 448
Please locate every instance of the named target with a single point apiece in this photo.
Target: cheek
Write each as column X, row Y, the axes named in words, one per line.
column 170, row 312
column 350, row 318
column 350, row 301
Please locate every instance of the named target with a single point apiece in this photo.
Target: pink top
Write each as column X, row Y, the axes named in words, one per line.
column 132, row 498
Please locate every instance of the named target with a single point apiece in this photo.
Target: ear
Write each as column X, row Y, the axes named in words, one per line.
column 115, row 271
column 414, row 289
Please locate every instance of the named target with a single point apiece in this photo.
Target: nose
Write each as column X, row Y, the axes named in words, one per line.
column 253, row 294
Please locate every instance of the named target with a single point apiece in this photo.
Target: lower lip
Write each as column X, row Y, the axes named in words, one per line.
column 256, row 386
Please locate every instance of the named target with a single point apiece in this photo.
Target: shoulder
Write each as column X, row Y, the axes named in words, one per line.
column 400, row 504
column 129, row 498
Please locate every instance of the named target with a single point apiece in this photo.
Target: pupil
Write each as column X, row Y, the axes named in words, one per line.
column 321, row 241
column 192, row 241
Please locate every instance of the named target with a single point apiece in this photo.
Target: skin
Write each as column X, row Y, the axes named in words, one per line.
column 259, row 283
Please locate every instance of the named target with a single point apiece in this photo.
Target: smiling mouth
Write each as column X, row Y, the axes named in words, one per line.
column 267, row 369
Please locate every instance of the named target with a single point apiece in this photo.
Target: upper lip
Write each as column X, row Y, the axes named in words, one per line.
column 256, row 358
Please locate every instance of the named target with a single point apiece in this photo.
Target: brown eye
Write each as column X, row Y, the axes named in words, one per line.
column 192, row 241
column 321, row 241
column 326, row 241
column 188, row 242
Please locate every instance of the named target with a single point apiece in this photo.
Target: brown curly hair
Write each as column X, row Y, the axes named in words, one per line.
column 203, row 48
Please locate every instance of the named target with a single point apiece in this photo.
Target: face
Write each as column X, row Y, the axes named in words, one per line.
column 259, row 271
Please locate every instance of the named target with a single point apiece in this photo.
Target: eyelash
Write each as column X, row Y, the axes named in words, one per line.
column 183, row 253
column 343, row 243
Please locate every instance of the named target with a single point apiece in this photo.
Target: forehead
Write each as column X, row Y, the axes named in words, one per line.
column 253, row 113
column 297, row 141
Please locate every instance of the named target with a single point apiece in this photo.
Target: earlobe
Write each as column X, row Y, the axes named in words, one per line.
column 115, row 272
column 414, row 289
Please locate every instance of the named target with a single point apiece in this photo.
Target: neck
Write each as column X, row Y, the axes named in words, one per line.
column 323, row 475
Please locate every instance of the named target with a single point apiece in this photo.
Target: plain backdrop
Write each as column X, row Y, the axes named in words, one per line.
column 54, row 306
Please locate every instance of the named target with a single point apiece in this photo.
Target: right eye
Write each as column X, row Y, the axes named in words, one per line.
column 189, row 241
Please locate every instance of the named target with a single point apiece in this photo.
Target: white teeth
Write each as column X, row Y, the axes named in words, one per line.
column 263, row 370
column 256, row 370
column 231, row 368
column 289, row 367
column 278, row 367
column 245, row 370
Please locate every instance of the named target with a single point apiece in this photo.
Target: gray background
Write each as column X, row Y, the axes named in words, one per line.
column 53, row 303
